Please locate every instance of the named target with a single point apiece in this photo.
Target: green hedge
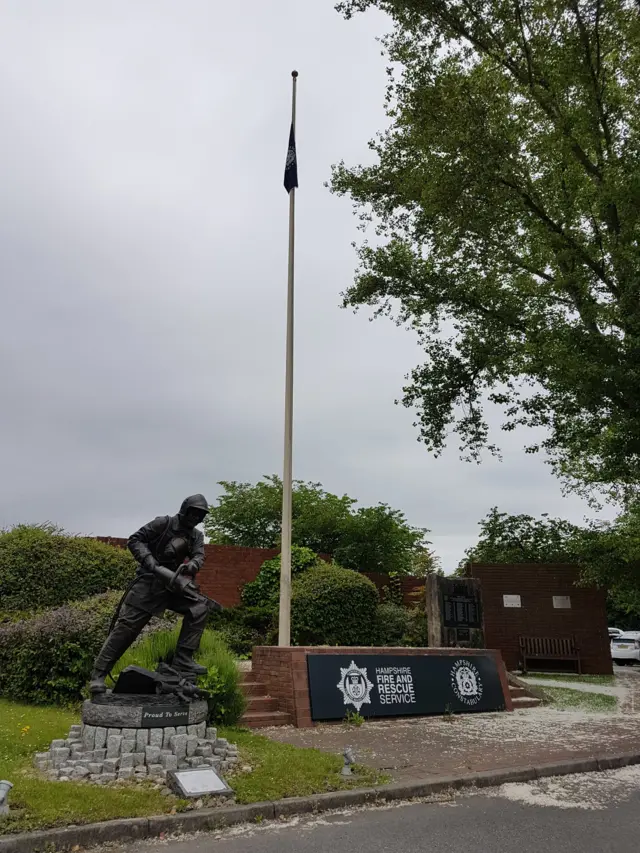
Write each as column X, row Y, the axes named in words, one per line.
column 42, row 567
column 265, row 589
column 242, row 627
column 335, row 607
column 393, row 624
column 47, row 659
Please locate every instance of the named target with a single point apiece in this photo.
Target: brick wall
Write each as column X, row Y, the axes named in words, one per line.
column 284, row 672
column 536, row 585
column 227, row 568
column 410, row 586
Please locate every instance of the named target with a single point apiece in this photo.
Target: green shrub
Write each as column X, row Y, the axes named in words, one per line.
column 393, row 624
column 42, row 567
column 227, row 702
column 416, row 633
column 333, row 606
column 47, row 659
column 265, row 589
column 242, row 628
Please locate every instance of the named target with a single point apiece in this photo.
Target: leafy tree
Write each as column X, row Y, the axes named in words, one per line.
column 506, row 193
column 251, row 515
column 378, row 539
column 365, row 539
column 508, row 538
column 608, row 553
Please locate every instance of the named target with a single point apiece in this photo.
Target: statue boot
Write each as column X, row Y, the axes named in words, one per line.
column 114, row 647
column 183, row 661
column 98, row 683
column 193, row 626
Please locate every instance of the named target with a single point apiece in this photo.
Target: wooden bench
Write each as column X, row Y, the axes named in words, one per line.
column 549, row 648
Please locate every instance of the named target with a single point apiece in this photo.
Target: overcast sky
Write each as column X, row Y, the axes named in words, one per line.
column 143, row 248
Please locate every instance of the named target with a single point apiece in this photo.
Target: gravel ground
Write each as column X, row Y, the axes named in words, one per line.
column 417, row 747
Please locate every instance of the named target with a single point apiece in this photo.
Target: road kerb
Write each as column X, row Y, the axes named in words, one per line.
column 206, row 820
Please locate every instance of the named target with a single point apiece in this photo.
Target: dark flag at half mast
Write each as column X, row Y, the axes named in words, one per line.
column 291, row 165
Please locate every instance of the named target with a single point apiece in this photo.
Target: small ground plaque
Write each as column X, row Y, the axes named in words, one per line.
column 202, row 782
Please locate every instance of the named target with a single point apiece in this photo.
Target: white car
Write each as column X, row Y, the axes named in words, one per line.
column 614, row 632
column 626, row 648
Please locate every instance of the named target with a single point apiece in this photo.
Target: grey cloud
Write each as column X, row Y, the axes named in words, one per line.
column 143, row 229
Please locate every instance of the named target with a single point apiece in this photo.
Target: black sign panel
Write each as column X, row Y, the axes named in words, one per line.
column 461, row 611
column 398, row 685
column 157, row 716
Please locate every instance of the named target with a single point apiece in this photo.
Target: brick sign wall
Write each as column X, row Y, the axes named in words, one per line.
column 284, row 672
column 542, row 601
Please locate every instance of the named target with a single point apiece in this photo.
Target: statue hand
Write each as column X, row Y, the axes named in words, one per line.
column 182, row 582
column 150, row 563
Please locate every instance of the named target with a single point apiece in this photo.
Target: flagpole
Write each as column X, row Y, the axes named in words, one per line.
column 284, row 622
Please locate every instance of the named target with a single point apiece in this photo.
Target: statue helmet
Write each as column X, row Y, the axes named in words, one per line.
column 198, row 502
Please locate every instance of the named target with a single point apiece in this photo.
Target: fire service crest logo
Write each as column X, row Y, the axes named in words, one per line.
column 355, row 686
column 466, row 682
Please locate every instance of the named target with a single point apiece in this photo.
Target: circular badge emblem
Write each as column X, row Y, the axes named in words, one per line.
column 466, row 682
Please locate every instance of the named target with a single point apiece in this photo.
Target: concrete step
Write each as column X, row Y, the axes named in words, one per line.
column 262, row 719
column 253, row 688
column 516, row 691
column 525, row 702
column 257, row 704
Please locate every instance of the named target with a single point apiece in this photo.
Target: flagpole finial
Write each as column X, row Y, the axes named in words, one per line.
column 294, row 73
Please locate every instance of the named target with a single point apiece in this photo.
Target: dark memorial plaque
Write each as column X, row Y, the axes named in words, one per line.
column 159, row 716
column 398, row 685
column 460, row 611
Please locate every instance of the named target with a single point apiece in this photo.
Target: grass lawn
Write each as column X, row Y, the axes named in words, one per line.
column 278, row 770
column 281, row 770
column 564, row 699
column 572, row 676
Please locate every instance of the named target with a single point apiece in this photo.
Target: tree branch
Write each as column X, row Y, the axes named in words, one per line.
column 593, row 72
column 535, row 84
column 554, row 227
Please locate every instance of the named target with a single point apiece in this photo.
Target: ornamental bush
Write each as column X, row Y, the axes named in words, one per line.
column 41, row 567
column 242, row 627
column 265, row 589
column 335, row 607
column 47, row 659
column 393, row 624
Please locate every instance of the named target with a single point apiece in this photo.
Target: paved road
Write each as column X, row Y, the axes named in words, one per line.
column 592, row 813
